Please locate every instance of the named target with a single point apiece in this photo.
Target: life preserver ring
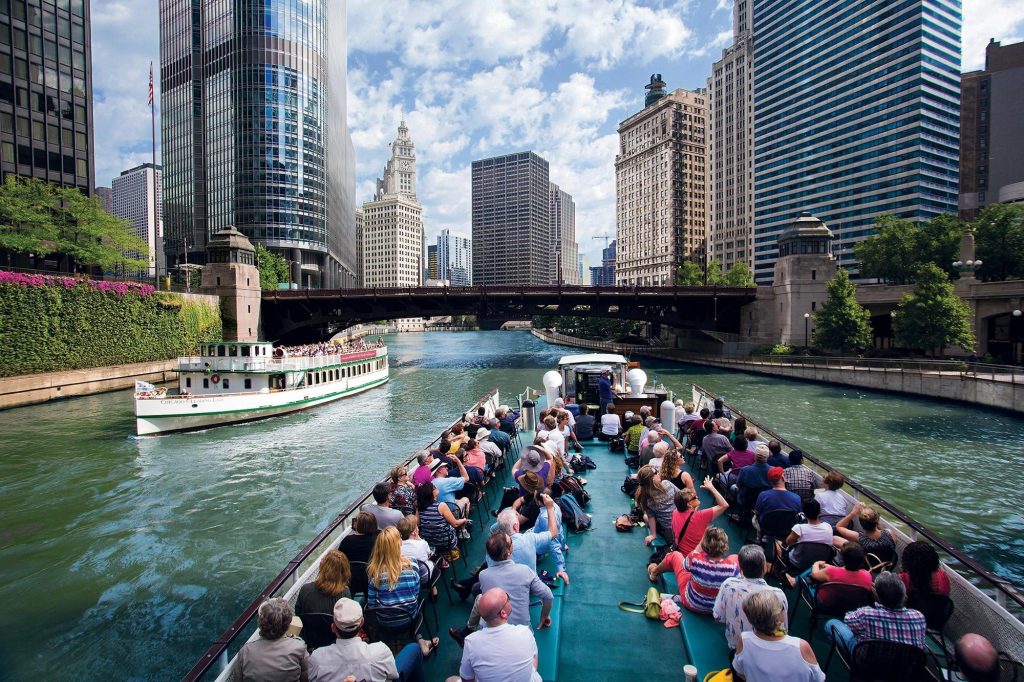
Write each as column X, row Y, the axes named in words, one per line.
column 215, row 379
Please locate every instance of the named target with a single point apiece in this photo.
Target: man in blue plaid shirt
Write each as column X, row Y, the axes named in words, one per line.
column 888, row 619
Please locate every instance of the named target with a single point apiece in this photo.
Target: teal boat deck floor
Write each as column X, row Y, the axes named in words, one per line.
column 592, row 639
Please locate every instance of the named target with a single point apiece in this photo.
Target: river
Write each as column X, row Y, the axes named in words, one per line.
column 125, row 557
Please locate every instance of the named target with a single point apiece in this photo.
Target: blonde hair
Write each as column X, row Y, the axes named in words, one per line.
column 670, row 465
column 386, row 561
column 334, row 573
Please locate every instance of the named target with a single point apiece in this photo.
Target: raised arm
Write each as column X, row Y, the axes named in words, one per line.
column 721, row 463
column 843, row 526
column 462, row 469
column 721, row 504
column 675, row 442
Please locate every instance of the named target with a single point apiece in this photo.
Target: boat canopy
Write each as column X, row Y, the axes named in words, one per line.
column 592, row 358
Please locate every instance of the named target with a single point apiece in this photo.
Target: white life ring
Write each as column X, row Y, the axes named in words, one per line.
column 215, row 379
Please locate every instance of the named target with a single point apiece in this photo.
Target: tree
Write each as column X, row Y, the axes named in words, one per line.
column 940, row 241
column 999, row 235
column 739, row 275
column 715, row 276
column 26, row 216
column 933, row 317
column 273, row 269
column 92, row 236
column 689, row 274
column 893, row 253
column 842, row 323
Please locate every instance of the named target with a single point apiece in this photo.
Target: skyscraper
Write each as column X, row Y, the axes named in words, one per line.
column 432, row 269
column 604, row 275
column 564, row 250
column 992, row 130
column 856, row 114
column 454, row 259
column 511, row 220
column 660, row 212
column 254, row 132
column 132, row 199
column 46, row 117
column 731, row 147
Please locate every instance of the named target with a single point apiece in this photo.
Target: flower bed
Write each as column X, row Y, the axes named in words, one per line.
column 22, row 279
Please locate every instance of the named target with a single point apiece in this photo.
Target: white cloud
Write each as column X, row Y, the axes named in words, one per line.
column 999, row 19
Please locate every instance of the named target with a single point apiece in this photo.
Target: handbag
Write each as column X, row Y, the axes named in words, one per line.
column 624, row 523
column 650, row 606
column 724, row 675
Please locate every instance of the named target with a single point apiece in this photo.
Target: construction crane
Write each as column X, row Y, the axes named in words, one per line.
column 605, row 237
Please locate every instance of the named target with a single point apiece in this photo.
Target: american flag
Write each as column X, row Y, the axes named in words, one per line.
column 150, row 102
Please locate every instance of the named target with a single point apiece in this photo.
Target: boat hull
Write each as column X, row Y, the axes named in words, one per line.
column 165, row 415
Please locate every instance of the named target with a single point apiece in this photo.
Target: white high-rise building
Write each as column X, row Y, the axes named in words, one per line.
column 454, row 259
column 132, row 199
column 564, row 250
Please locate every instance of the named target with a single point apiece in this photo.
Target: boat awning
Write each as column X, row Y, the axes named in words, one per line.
column 592, row 359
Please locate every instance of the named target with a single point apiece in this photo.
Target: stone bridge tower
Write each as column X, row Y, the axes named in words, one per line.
column 231, row 273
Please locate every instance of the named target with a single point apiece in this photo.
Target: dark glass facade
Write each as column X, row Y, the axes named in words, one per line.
column 254, row 131
column 46, row 91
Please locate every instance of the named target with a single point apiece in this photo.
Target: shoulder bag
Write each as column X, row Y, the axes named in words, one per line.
column 650, row 606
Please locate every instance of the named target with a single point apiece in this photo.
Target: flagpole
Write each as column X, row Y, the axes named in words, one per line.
column 157, row 237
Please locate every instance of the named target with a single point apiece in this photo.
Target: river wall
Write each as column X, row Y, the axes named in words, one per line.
column 1002, row 391
column 31, row 389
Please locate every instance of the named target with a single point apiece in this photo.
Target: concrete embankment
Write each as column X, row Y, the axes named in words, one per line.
column 1003, row 391
column 29, row 389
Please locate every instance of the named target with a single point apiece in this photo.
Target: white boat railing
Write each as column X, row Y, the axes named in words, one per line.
column 195, row 363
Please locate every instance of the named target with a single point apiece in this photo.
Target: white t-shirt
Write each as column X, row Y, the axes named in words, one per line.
column 832, row 502
column 770, row 661
column 813, row 532
column 558, row 440
column 500, row 654
column 418, row 550
column 610, row 424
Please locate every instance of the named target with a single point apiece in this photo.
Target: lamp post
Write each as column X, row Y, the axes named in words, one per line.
column 807, row 319
column 1014, row 324
column 966, row 267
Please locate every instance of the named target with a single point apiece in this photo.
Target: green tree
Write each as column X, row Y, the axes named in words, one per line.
column 273, row 269
column 739, row 275
column 893, row 254
column 92, row 236
column 999, row 235
column 933, row 317
column 715, row 276
column 26, row 216
column 689, row 274
column 940, row 241
column 842, row 323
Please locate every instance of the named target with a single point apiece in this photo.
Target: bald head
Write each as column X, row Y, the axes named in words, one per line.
column 977, row 658
column 495, row 606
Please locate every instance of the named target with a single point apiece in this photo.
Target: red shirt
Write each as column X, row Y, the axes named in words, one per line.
column 695, row 531
column 476, row 458
column 940, row 582
column 838, row 574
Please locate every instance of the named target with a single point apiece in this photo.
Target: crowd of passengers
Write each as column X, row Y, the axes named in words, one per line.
column 312, row 350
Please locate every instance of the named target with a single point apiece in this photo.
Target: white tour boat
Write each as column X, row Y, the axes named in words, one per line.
column 236, row 381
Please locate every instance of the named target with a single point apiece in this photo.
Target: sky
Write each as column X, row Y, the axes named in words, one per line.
column 480, row 78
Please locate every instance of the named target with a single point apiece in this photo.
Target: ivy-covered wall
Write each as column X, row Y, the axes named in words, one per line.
column 50, row 324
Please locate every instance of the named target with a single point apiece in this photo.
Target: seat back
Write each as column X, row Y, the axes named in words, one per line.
column 885, row 661
column 777, row 523
column 1010, row 669
column 937, row 608
column 748, row 496
column 810, row 552
column 837, row 599
column 390, row 623
column 359, row 582
column 880, row 560
column 316, row 630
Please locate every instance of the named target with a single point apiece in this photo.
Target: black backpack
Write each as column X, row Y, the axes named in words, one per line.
column 571, row 486
column 629, row 486
column 573, row 516
column 617, row 445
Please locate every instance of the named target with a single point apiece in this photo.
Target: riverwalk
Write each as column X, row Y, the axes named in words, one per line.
column 996, row 386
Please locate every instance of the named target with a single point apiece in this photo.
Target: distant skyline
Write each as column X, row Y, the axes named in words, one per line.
column 478, row 79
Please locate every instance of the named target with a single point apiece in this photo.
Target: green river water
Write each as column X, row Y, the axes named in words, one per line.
column 124, row 558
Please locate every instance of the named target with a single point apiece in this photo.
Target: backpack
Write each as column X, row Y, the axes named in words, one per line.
column 572, row 486
column 617, row 445
column 578, row 463
column 590, row 464
column 633, row 461
column 573, row 516
column 508, row 497
column 629, row 486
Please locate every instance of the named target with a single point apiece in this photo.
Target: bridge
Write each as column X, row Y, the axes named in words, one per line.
column 303, row 316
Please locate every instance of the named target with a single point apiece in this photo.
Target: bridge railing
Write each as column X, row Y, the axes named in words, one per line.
column 965, row 370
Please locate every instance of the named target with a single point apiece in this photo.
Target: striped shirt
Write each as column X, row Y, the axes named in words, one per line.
column 436, row 530
column 405, row 594
column 905, row 626
column 706, row 578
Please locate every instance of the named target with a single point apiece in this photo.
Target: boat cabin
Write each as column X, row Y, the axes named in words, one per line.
column 580, row 374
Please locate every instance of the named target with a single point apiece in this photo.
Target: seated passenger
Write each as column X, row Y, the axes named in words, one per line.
column 776, row 498
column 437, row 522
column 732, row 463
column 833, row 503
column 499, row 437
column 447, row 485
column 357, row 547
column 351, row 657
column 729, row 602
column 702, row 572
column 476, row 461
column 382, row 511
column 715, row 443
column 633, row 436
column 776, row 457
column 272, row 657
column 754, row 438
column 767, row 654
column 403, row 492
column 921, row 570
column 687, row 417
column 584, row 423
column 611, row 424
column 670, row 467
column 752, row 479
column 492, row 451
column 852, row 571
column 814, row 530
column 537, row 460
column 501, row 652
column 871, row 538
column 689, row 521
column 799, row 478
column 415, row 548
column 320, row 596
column 656, row 498
column 394, row 583
column 424, row 471
column 888, row 619
column 977, row 659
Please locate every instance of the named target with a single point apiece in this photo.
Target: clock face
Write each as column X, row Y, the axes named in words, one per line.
column 406, row 164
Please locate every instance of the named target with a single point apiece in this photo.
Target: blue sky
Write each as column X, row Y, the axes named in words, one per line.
column 476, row 78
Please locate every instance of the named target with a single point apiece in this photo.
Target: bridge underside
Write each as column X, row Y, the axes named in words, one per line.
column 315, row 315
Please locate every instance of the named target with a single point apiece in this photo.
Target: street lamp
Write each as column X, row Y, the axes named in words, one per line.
column 1014, row 324
column 968, row 266
column 807, row 319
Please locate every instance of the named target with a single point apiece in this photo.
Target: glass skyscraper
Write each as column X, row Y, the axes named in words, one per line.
column 254, row 132
column 856, row 114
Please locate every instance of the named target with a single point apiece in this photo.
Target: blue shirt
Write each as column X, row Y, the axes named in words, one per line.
column 520, row 583
column 525, row 547
column 604, row 388
column 772, row 500
column 501, row 439
column 447, row 486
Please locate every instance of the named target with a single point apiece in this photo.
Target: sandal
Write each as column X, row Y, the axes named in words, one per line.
column 430, row 648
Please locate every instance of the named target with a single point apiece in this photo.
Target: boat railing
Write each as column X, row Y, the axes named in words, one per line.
column 297, row 363
column 986, row 603
column 214, row 662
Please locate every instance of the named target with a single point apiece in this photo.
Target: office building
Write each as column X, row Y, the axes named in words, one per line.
column 564, row 250
column 106, row 198
column 731, row 147
column 254, row 132
column 856, row 114
column 604, row 274
column 660, row 186
column 454, row 259
column 132, row 199
column 432, row 271
column 392, row 234
column 992, row 130
column 46, row 115
column 512, row 220
column 360, row 279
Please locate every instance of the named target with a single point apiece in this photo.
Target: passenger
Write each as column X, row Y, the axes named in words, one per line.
column 874, row 540
column 887, row 620
column 501, row 652
column 753, row 438
column 394, row 584
column 553, row 434
column 655, row 498
column 357, row 546
column 447, row 486
column 799, row 478
column 833, row 504
column 493, row 454
column 534, row 459
column 416, row 549
column 437, row 522
column 476, row 462
column 385, row 515
column 403, row 494
column 319, row 597
column 352, row 658
column 852, row 571
column 650, row 424
column 272, row 657
column 701, row 573
column 459, row 434
column 721, row 410
column 499, row 437
column 518, row 581
column 423, row 473
column 670, row 467
column 611, row 424
column 977, row 659
column 688, row 417
column 775, row 498
column 751, row 479
column 732, row 463
column 767, row 654
column 814, row 530
column 921, row 571
column 567, row 427
column 689, row 521
column 729, row 602
column 715, row 443
column 507, row 419
column 647, row 447
column 633, row 436
column 585, row 423
column 776, row 458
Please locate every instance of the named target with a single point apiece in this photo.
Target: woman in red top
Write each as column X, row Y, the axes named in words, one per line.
column 852, row 571
column 475, row 461
column 688, row 514
column 921, row 571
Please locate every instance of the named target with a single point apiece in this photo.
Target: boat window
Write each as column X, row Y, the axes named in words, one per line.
column 206, row 383
column 248, row 383
column 225, row 384
column 309, row 378
column 245, row 351
column 233, row 351
column 188, row 382
column 220, row 351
